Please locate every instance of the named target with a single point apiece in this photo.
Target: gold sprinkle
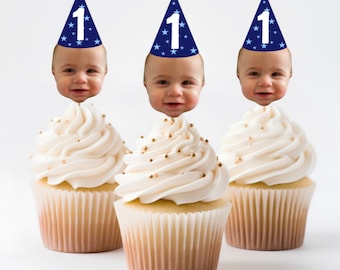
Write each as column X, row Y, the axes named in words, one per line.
column 179, row 151
column 59, row 120
column 250, row 139
column 150, row 160
column 172, row 121
column 123, row 142
column 123, row 172
column 220, row 164
column 153, row 140
column 206, row 140
column 150, row 176
column 103, row 115
column 142, row 137
column 238, row 160
column 166, row 156
column 262, row 127
column 191, row 125
column 165, row 120
column 203, row 174
column 245, row 125
column 78, row 140
column 193, row 155
column 170, row 136
column 145, row 148
column 40, row 132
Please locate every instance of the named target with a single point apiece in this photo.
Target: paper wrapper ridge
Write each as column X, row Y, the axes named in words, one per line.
column 268, row 219
column 181, row 241
column 77, row 221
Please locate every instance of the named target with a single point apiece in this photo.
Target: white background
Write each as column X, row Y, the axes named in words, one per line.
column 29, row 31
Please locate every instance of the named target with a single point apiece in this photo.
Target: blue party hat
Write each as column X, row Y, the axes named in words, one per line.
column 264, row 33
column 79, row 30
column 174, row 38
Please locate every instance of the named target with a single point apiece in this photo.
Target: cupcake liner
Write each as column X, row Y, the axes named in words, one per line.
column 167, row 241
column 267, row 219
column 77, row 221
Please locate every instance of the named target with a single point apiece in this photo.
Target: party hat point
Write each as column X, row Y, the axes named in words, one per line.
column 174, row 38
column 79, row 30
column 264, row 33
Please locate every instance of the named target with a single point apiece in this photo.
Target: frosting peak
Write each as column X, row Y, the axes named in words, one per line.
column 174, row 163
column 79, row 148
column 265, row 146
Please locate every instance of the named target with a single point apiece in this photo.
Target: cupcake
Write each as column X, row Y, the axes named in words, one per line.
column 172, row 213
column 269, row 159
column 74, row 167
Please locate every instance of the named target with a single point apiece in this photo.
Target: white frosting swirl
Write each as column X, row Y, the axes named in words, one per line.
column 266, row 147
column 174, row 163
column 79, row 148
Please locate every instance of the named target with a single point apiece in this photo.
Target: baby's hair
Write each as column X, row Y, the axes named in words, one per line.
column 242, row 49
column 55, row 49
column 147, row 60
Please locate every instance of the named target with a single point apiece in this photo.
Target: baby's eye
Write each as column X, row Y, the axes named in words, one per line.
column 163, row 82
column 186, row 82
column 276, row 74
column 253, row 74
column 68, row 70
column 91, row 70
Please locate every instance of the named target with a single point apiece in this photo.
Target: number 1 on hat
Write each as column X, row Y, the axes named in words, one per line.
column 79, row 14
column 174, row 21
column 264, row 17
